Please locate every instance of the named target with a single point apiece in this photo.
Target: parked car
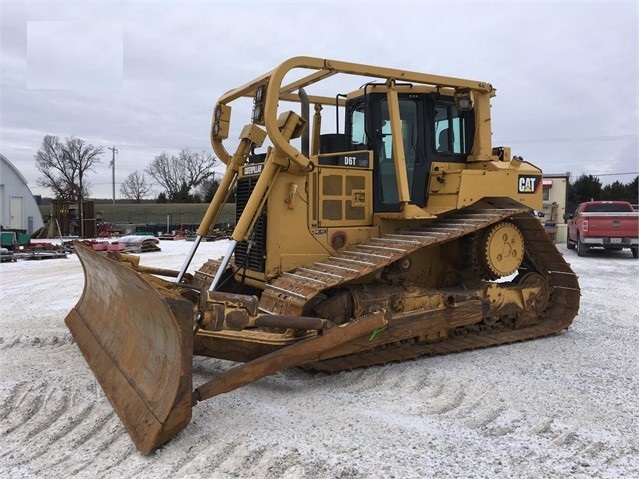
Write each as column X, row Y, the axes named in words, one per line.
column 612, row 225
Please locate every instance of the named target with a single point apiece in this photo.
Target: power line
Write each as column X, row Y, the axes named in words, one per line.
column 615, row 174
column 573, row 139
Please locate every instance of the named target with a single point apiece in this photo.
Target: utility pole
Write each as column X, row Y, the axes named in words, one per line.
column 114, row 150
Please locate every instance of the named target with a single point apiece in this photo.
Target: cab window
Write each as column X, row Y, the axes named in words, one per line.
column 358, row 128
column 450, row 130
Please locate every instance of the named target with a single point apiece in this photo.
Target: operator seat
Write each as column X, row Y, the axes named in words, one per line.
column 442, row 143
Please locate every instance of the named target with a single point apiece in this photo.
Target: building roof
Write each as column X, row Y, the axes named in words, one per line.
column 13, row 168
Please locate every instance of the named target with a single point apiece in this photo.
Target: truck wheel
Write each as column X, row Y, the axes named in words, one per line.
column 582, row 249
column 569, row 244
column 635, row 252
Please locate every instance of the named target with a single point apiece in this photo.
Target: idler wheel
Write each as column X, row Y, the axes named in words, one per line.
column 533, row 279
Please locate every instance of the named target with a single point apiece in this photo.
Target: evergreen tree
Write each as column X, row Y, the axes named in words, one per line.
column 587, row 188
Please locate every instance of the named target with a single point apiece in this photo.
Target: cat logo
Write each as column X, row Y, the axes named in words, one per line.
column 252, row 170
column 528, row 184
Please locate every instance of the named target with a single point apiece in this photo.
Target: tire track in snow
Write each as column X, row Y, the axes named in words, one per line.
column 26, row 404
column 51, row 434
column 200, row 454
column 58, row 419
column 8, row 403
column 77, row 442
column 36, row 341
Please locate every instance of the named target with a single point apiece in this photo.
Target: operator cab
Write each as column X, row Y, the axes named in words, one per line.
column 432, row 129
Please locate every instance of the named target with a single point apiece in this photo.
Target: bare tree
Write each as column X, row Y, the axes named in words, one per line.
column 183, row 172
column 135, row 187
column 65, row 165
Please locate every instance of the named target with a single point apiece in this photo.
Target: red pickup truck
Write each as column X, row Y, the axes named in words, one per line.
column 613, row 225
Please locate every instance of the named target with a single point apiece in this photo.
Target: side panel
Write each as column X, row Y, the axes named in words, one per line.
column 343, row 197
column 306, row 218
column 454, row 186
column 310, row 218
column 289, row 242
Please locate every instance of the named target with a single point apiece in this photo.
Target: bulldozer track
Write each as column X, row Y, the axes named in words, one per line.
column 289, row 293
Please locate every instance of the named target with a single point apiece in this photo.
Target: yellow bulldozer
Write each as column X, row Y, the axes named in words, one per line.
column 399, row 233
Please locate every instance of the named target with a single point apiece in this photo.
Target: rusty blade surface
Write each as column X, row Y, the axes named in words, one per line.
column 139, row 345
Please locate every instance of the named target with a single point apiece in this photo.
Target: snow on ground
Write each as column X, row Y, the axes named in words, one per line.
column 564, row 406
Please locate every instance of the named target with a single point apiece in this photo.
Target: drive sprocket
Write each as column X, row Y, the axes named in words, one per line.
column 499, row 250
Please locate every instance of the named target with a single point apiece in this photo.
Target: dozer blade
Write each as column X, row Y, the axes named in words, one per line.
column 139, row 345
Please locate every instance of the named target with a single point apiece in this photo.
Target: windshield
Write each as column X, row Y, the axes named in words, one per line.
column 408, row 120
column 607, row 208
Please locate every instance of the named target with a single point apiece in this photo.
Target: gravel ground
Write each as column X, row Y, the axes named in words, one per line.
column 564, row 406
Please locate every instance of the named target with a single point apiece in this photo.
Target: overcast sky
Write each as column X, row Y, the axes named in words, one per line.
column 144, row 76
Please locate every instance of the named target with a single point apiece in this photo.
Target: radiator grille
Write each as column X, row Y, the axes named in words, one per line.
column 256, row 259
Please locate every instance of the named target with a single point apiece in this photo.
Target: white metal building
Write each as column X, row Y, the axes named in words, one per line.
column 18, row 207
